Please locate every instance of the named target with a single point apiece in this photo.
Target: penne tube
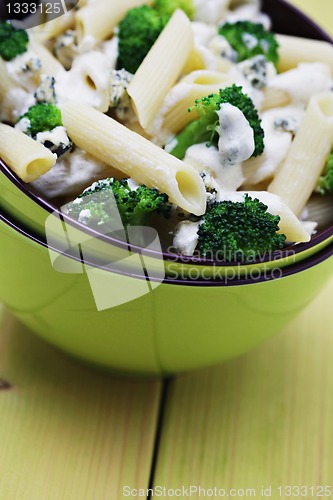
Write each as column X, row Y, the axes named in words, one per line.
column 298, row 175
column 99, row 18
column 274, row 98
column 293, row 50
column 195, row 61
column 165, row 61
column 135, row 156
column 50, row 65
column 87, row 81
column 53, row 28
column 27, row 158
column 6, row 83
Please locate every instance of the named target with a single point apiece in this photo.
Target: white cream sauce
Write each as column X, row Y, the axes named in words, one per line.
column 16, row 102
column 186, row 237
column 210, row 11
column 303, row 82
column 236, row 142
column 72, row 173
column 277, row 143
column 25, row 70
column 87, row 82
column 203, row 158
column 203, row 32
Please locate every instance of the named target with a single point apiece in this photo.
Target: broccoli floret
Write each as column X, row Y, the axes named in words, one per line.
column 137, row 32
column 238, row 231
column 325, row 182
column 167, row 7
column 13, row 42
column 204, row 129
column 43, row 123
column 94, row 207
column 41, row 117
column 250, row 39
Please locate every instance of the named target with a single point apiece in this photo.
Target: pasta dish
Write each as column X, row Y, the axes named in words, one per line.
column 191, row 115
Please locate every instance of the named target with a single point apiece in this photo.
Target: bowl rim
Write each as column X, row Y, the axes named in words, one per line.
column 269, row 275
column 277, row 255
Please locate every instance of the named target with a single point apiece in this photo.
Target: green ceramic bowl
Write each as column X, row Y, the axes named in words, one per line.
column 42, row 218
column 125, row 322
column 142, row 311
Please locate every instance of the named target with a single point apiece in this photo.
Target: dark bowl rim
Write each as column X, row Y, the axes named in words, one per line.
column 282, row 254
column 268, row 275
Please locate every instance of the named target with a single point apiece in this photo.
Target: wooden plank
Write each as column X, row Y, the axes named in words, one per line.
column 264, row 419
column 68, row 431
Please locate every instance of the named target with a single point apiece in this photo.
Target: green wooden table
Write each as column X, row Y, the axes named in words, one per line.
column 265, row 420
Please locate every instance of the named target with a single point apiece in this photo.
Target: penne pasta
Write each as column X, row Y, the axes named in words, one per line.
column 27, row 158
column 6, row 83
column 293, row 50
column 50, row 65
column 194, row 62
column 298, row 175
column 132, row 154
column 53, row 28
column 268, row 132
column 165, row 61
column 99, row 18
column 274, row 98
column 87, row 81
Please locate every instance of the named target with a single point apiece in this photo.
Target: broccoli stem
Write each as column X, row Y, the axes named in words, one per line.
column 193, row 133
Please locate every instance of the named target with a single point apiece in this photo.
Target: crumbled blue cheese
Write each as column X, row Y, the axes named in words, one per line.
column 23, row 125
column 212, row 188
column 236, row 141
column 67, row 47
column 255, row 71
column 132, row 184
column 56, row 140
column 25, row 69
column 46, row 91
column 119, row 98
column 207, row 160
column 250, row 41
column 287, row 123
column 186, row 237
column 64, row 48
column 264, row 45
column 221, row 47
